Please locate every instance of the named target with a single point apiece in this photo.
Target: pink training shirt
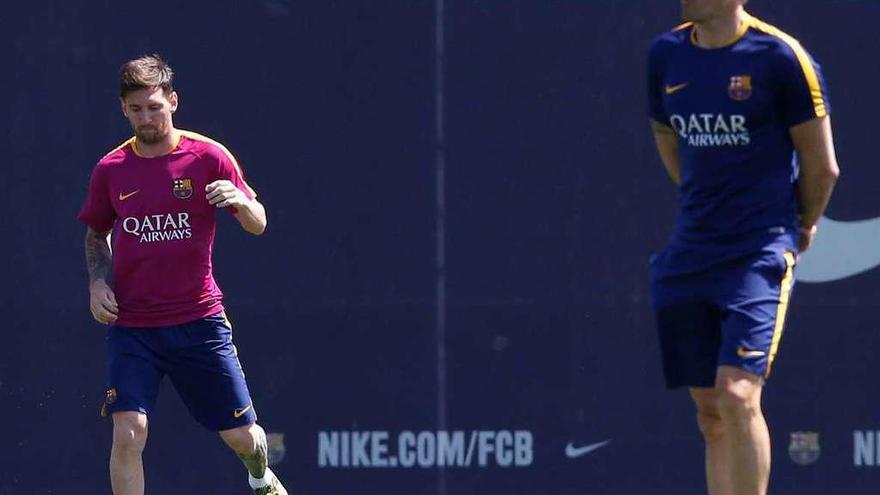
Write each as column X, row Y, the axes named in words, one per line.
column 163, row 228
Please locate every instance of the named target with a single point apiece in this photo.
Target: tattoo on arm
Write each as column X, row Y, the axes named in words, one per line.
column 98, row 256
column 257, row 461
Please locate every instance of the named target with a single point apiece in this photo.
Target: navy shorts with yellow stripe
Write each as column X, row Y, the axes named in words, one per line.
column 199, row 358
column 732, row 314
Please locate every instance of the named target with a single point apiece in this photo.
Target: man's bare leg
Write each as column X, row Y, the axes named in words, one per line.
column 739, row 404
column 126, row 461
column 718, row 476
column 249, row 444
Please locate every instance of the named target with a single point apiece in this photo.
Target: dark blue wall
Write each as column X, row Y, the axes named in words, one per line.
column 349, row 117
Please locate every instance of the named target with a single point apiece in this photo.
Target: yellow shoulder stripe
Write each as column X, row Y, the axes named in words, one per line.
column 683, row 25
column 804, row 59
column 123, row 145
column 198, row 137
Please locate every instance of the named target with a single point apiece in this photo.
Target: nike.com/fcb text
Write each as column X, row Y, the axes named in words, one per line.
column 425, row 449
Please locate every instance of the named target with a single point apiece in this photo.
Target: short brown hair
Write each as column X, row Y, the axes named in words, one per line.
column 147, row 72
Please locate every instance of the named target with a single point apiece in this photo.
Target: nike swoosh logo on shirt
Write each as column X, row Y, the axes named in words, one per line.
column 123, row 197
column 573, row 452
column 673, row 89
column 240, row 412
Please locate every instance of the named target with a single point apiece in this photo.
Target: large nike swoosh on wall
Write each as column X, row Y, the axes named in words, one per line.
column 841, row 250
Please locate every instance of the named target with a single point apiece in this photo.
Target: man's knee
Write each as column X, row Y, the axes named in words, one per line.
column 708, row 416
column 739, row 394
column 710, row 423
column 129, row 431
column 244, row 439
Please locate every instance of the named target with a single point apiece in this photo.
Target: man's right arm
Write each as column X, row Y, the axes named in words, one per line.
column 667, row 146
column 102, row 301
column 818, row 173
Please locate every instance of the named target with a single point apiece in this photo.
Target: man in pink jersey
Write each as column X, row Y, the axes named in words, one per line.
column 158, row 194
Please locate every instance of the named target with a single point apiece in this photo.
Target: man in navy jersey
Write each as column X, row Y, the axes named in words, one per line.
column 739, row 112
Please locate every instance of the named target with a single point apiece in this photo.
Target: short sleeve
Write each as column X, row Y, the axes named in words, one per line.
column 803, row 94
column 97, row 212
column 656, row 109
column 231, row 170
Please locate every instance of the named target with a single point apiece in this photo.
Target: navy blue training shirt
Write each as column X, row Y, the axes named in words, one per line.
column 732, row 108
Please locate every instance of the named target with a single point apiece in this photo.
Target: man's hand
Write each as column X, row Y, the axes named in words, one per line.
column 807, row 236
column 102, row 302
column 249, row 212
column 222, row 193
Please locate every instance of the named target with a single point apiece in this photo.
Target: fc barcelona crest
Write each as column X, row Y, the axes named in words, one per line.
column 804, row 447
column 277, row 449
column 109, row 398
column 740, row 87
column 183, row 188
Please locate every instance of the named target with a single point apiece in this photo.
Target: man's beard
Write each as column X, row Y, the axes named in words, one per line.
column 150, row 134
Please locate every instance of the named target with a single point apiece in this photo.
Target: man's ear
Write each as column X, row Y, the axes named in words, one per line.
column 174, row 100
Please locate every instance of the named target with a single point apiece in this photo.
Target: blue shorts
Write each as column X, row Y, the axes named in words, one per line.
column 731, row 315
column 201, row 361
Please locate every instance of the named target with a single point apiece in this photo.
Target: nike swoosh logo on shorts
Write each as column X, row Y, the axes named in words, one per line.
column 240, row 412
column 841, row 250
column 573, row 452
column 748, row 353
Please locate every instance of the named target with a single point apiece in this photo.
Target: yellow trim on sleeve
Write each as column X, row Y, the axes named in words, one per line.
column 806, row 65
column 205, row 139
column 784, row 296
column 683, row 25
column 123, row 145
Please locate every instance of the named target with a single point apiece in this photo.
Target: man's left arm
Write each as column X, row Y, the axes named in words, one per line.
column 250, row 213
column 814, row 144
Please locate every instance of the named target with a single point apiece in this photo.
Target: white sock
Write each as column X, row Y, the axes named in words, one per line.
column 261, row 482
